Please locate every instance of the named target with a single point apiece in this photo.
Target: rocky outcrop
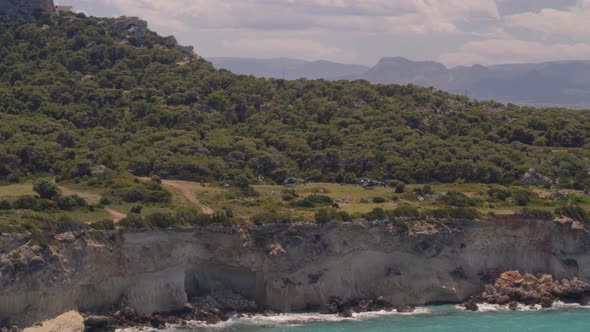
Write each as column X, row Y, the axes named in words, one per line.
column 138, row 29
column 533, row 178
column 514, row 287
column 26, row 9
column 160, row 270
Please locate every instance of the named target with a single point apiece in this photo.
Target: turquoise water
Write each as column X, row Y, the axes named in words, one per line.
column 438, row 319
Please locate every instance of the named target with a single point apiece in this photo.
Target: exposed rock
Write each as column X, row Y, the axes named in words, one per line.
column 68, row 237
column 347, row 313
column 512, row 288
column 98, row 323
column 405, row 309
column 134, row 25
column 513, row 306
column 471, row 306
column 533, row 178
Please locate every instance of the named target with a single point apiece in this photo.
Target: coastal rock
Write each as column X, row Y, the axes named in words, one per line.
column 405, row 309
column 347, row 313
column 513, row 287
column 98, row 324
column 471, row 306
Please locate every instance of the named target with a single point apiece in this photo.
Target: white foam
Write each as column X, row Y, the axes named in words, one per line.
column 485, row 307
column 280, row 320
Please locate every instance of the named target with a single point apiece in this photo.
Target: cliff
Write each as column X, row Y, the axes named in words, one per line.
column 26, row 9
column 284, row 267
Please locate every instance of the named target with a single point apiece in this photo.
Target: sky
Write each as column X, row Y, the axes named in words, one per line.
column 454, row 32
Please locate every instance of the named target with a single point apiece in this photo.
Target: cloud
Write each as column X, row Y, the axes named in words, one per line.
column 571, row 22
column 406, row 16
column 277, row 47
column 494, row 51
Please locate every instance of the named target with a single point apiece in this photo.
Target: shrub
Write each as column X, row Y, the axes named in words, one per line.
column 379, row 200
column 314, row 200
column 133, row 221
column 67, row 224
column 105, row 201
column 405, row 211
column 455, row 198
column 270, row 218
column 499, row 194
column 455, row 213
column 160, row 220
column 30, row 203
column 46, row 188
column 521, row 197
column 5, row 205
column 289, row 195
column 70, row 202
column 325, row 215
column 535, row 213
column 400, row 188
column 103, row 225
column 136, row 209
column 157, row 179
column 376, row 214
column 426, row 190
column 575, row 212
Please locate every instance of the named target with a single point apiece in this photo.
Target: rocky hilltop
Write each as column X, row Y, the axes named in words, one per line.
column 26, row 9
column 286, row 268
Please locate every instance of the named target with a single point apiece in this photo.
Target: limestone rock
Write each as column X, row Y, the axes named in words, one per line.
column 533, row 178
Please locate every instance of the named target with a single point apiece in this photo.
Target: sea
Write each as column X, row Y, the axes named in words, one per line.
column 562, row 317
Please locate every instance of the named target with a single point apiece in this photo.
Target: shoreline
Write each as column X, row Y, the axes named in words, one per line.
column 300, row 319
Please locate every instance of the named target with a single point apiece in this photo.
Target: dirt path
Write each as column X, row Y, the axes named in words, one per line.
column 117, row 216
column 183, row 188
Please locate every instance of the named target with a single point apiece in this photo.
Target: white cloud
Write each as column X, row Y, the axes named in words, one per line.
column 494, row 51
column 571, row 23
column 407, row 16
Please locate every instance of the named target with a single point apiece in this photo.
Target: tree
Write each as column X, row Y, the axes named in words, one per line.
column 46, row 188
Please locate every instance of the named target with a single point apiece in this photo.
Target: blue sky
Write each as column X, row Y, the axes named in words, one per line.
column 455, row 32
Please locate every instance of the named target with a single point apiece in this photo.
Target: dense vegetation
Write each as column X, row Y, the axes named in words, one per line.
column 74, row 96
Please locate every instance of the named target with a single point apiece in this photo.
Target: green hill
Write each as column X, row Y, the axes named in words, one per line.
column 77, row 92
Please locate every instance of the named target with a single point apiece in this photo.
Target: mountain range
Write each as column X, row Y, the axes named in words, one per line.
column 559, row 83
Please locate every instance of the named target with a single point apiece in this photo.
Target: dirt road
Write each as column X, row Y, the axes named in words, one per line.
column 184, row 189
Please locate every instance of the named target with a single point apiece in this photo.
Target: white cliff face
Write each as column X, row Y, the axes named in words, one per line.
column 160, row 270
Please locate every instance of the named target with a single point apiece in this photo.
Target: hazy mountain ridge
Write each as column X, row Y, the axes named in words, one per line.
column 559, row 83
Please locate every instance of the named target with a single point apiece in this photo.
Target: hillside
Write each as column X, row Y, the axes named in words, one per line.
column 99, row 104
column 80, row 92
column 559, row 84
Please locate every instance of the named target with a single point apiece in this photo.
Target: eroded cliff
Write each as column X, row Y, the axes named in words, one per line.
column 284, row 267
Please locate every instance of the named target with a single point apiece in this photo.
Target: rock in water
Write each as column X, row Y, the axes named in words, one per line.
column 346, row 313
column 471, row 306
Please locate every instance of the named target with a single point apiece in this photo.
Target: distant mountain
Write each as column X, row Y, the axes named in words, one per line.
column 288, row 68
column 561, row 83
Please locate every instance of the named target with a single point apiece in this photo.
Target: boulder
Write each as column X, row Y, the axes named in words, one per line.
column 533, row 178
column 347, row 313
column 513, row 306
column 98, row 323
column 471, row 306
column 405, row 309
